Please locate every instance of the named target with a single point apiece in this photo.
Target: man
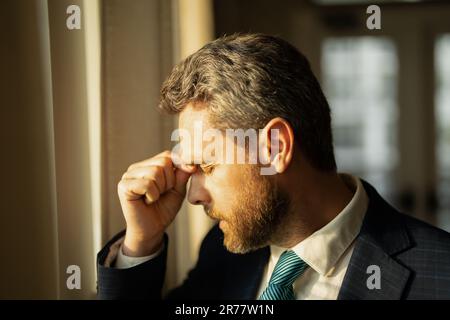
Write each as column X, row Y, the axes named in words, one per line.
column 302, row 232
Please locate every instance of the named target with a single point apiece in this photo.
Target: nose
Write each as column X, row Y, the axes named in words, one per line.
column 198, row 194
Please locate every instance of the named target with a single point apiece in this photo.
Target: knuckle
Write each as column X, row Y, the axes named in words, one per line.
column 149, row 184
column 121, row 186
column 170, row 181
column 152, row 195
column 159, row 171
column 167, row 161
column 155, row 188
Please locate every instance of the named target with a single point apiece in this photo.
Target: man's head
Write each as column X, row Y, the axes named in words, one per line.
column 250, row 82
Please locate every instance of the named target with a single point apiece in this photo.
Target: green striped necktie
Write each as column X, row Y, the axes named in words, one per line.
column 288, row 268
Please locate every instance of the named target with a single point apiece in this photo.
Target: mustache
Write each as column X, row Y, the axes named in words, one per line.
column 213, row 214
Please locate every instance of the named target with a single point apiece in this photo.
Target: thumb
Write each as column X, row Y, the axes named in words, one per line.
column 181, row 179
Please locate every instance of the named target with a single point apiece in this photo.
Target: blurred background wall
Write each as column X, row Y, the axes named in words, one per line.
column 79, row 106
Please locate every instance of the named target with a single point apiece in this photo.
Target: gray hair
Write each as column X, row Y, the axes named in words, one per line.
column 247, row 80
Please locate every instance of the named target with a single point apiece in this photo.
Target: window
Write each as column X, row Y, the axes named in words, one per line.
column 360, row 81
column 442, row 101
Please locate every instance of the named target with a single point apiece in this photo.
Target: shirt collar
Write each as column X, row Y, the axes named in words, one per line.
column 322, row 249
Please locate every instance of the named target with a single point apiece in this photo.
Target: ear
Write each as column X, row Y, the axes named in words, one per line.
column 280, row 143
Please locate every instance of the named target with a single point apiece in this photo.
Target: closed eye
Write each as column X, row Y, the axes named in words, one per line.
column 207, row 168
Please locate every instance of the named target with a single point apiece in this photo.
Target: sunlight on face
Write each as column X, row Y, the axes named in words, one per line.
column 248, row 205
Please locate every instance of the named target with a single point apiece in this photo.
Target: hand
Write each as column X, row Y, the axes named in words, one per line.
column 151, row 193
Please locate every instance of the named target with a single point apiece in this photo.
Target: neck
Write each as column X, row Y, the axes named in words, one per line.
column 316, row 199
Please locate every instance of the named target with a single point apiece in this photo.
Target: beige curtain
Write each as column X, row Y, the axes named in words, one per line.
column 28, row 248
column 79, row 106
column 50, row 213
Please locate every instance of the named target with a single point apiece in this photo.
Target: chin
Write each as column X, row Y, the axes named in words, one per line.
column 235, row 244
column 229, row 240
column 235, row 248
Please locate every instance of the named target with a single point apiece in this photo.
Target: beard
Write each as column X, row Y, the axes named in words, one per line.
column 255, row 215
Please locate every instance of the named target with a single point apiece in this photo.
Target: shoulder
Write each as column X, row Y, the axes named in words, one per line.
column 386, row 220
column 426, row 236
column 428, row 259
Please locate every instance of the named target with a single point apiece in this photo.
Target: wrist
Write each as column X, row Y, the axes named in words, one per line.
column 137, row 246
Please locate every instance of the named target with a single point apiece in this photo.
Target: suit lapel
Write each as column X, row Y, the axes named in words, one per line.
column 393, row 276
column 382, row 236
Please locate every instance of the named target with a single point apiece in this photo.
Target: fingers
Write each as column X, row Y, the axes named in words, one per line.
column 150, row 161
column 162, row 175
column 164, row 158
column 134, row 189
column 181, row 179
column 152, row 177
column 178, row 163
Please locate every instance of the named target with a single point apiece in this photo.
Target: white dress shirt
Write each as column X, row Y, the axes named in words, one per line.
column 327, row 251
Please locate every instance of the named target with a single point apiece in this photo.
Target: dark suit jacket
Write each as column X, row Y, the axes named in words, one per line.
column 414, row 261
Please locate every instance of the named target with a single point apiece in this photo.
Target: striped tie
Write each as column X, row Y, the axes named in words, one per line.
column 288, row 268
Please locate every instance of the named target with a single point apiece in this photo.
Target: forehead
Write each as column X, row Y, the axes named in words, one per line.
column 193, row 114
column 193, row 121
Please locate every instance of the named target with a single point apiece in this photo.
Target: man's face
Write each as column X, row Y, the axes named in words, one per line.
column 248, row 205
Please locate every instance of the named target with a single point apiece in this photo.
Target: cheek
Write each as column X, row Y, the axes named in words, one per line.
column 218, row 184
column 225, row 184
